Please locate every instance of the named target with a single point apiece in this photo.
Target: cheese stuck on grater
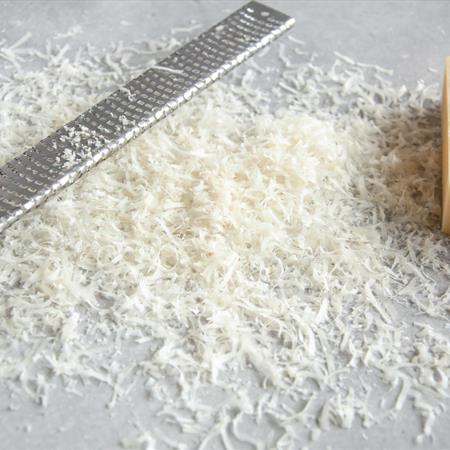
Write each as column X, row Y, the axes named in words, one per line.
column 58, row 160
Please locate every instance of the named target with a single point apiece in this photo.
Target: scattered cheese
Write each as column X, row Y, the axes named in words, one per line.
column 274, row 242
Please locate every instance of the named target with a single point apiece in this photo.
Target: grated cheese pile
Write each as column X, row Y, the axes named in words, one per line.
column 279, row 246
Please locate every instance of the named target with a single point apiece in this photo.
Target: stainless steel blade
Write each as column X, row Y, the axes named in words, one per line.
column 58, row 160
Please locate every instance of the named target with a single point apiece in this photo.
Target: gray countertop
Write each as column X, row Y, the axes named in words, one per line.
column 409, row 37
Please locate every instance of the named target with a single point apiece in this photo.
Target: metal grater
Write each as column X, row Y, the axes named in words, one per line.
column 58, row 160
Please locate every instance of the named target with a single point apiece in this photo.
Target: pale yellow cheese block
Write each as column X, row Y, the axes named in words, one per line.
column 445, row 115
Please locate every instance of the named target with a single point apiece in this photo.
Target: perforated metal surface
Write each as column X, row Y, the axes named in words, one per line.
column 55, row 162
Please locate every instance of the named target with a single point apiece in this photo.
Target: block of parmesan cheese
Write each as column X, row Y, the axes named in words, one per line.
column 445, row 114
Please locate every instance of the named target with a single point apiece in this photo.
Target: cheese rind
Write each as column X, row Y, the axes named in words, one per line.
column 445, row 149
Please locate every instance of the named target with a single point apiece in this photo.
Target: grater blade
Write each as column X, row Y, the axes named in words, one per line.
column 58, row 160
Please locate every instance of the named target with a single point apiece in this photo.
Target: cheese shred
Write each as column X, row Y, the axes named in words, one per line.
column 290, row 233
